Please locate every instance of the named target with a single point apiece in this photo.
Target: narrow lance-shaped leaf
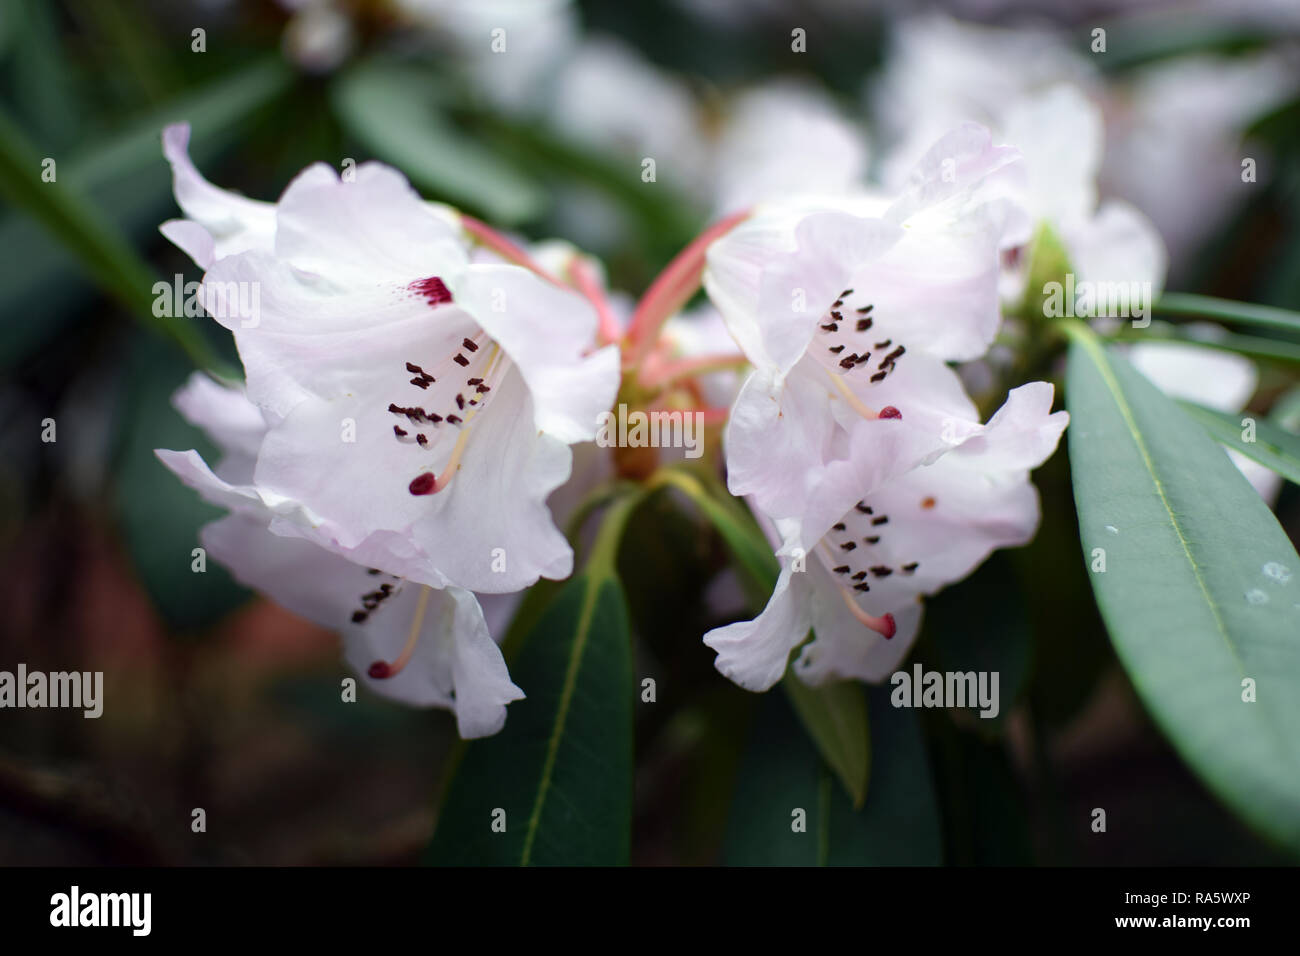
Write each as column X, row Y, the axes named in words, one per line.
column 394, row 111
column 835, row 714
column 555, row 786
column 116, row 185
column 1227, row 310
column 788, row 811
column 1254, row 436
column 1197, row 584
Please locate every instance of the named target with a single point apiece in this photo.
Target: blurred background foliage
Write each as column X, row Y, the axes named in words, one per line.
column 222, row 701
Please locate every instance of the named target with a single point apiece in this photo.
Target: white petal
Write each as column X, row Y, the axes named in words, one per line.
column 776, row 437
column 357, row 233
column 779, row 138
column 950, row 171
column 1218, row 379
column 844, row 649
column 234, row 223
column 1059, row 133
column 773, row 283
column 1119, row 245
column 455, row 663
column 754, row 653
column 491, row 530
column 479, row 676
column 302, row 335
column 545, row 330
column 234, row 423
column 1021, row 435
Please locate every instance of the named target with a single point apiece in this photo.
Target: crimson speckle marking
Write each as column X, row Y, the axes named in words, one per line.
column 433, row 289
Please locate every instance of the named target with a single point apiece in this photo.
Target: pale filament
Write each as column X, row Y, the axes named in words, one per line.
column 453, row 463
column 383, row 669
column 883, row 625
column 854, row 402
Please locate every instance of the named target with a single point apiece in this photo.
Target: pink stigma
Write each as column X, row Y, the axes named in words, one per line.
column 889, row 411
column 425, row 484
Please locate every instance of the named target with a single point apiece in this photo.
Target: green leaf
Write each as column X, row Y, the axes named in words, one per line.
column 1200, row 589
column 1226, row 310
column 1137, row 40
column 985, row 811
column 981, row 624
column 1273, row 448
column 158, row 517
column 561, row 770
column 1256, row 346
column 394, row 110
column 742, row 536
column 781, row 774
column 117, row 185
column 834, row 714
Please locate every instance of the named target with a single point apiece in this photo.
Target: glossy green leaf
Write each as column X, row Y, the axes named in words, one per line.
column 1201, row 587
column 1256, row 346
column 783, row 785
column 835, row 714
column 116, row 186
column 986, row 816
column 394, row 111
column 559, row 776
column 1271, row 446
column 158, row 517
column 1227, row 310
column 981, row 624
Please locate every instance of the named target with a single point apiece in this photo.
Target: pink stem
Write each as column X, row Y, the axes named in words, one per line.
column 584, row 280
column 504, row 247
column 667, row 373
column 673, row 288
column 713, row 415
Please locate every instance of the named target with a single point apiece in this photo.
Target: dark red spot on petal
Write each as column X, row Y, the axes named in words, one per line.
column 433, row 289
column 379, row 670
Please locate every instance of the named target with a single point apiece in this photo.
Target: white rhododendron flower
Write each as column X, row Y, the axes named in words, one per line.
column 416, row 407
column 849, row 321
column 778, row 138
column 913, row 534
column 939, row 72
column 841, row 436
column 1059, row 134
column 415, row 644
column 418, row 402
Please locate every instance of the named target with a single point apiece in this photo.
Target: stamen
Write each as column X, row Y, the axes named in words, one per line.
column 381, row 670
column 883, row 625
column 856, row 403
column 430, row 484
